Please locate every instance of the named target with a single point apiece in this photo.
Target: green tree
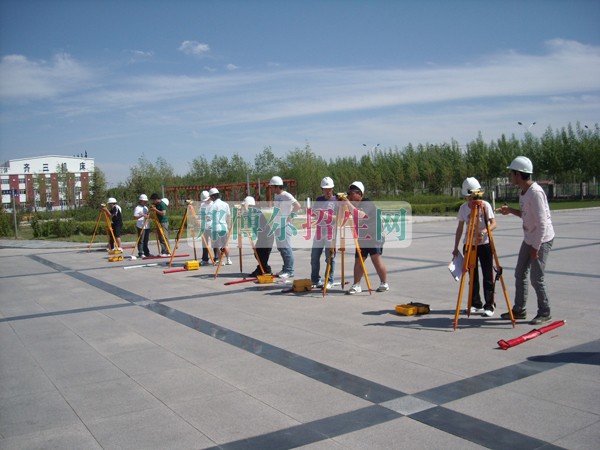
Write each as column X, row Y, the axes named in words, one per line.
column 97, row 190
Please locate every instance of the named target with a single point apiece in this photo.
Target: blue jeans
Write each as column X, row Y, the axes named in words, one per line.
column 537, row 267
column 315, row 261
column 285, row 250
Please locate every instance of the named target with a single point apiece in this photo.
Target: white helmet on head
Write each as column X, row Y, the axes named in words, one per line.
column 469, row 185
column 358, row 185
column 143, row 197
column 327, row 183
column 111, row 200
column 521, row 164
column 213, row 191
column 204, row 196
column 276, row 181
column 165, row 201
column 249, row 201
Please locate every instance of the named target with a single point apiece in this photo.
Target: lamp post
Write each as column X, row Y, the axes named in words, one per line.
column 528, row 127
column 372, row 153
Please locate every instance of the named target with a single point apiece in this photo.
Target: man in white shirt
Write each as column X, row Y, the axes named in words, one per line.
column 538, row 237
column 221, row 216
column 285, row 207
column 143, row 226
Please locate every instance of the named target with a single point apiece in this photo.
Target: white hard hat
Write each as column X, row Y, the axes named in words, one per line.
column 521, row 164
column 213, row 191
column 165, row 201
column 276, row 181
column 143, row 197
column 470, row 184
column 204, row 196
column 359, row 185
column 249, row 201
column 111, row 200
column 327, row 183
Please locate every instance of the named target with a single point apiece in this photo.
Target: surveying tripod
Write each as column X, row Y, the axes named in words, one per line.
column 109, row 231
column 189, row 209
column 470, row 257
column 344, row 220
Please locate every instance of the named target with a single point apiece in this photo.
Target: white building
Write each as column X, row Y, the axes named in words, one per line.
column 49, row 182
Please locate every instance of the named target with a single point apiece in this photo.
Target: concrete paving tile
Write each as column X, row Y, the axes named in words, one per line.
column 233, row 416
column 303, row 398
column 327, row 444
column 403, row 433
column 583, row 439
column 148, row 360
column 119, row 341
column 180, row 385
column 247, row 371
column 532, row 416
column 153, row 429
column 108, row 399
column 24, row 414
column 70, row 437
column 585, row 396
column 18, row 380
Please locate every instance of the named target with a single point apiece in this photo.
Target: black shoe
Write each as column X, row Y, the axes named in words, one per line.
column 516, row 315
column 540, row 319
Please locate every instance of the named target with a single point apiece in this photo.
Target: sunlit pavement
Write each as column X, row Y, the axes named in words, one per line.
column 94, row 355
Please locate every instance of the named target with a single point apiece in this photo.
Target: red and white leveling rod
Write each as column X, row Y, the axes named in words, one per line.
column 504, row 345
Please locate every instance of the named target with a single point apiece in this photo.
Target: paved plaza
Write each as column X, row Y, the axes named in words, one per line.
column 94, row 355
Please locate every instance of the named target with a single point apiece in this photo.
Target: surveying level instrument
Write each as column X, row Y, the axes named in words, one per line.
column 470, row 257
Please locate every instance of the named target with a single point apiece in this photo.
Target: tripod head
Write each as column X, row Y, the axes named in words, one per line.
column 477, row 194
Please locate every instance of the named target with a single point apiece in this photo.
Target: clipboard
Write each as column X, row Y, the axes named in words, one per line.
column 455, row 266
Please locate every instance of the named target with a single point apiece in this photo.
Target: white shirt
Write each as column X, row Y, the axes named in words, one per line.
column 284, row 202
column 219, row 213
column 139, row 210
column 535, row 212
column 464, row 214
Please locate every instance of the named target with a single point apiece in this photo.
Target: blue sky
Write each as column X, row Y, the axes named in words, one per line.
column 181, row 79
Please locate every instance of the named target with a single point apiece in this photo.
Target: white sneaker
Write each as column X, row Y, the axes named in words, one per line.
column 328, row 285
column 487, row 313
column 355, row 289
column 285, row 275
column 383, row 287
column 476, row 310
column 228, row 262
column 320, row 284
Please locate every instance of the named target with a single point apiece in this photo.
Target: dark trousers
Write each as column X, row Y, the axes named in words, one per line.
column 486, row 261
column 143, row 241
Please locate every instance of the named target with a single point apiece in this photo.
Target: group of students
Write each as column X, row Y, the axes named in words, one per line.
column 280, row 229
column 538, row 237
column 215, row 219
column 142, row 214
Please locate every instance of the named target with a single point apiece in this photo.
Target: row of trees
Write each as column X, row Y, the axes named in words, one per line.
column 568, row 155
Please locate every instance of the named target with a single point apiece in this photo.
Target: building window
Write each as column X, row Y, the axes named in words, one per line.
column 21, row 179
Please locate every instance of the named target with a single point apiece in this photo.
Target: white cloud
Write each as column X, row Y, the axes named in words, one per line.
column 194, row 48
column 231, row 67
column 140, row 55
column 24, row 79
